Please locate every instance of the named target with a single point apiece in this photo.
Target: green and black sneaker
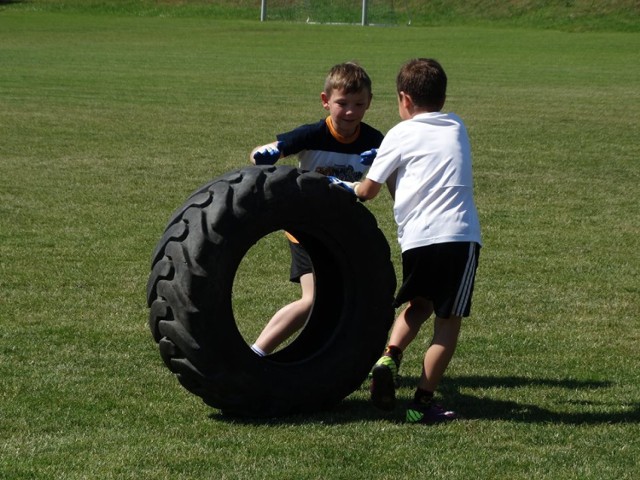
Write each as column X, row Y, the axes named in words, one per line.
column 383, row 383
column 428, row 414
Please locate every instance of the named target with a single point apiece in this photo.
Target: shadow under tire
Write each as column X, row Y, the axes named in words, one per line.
column 189, row 292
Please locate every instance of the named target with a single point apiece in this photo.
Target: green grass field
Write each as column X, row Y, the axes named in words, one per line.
column 109, row 120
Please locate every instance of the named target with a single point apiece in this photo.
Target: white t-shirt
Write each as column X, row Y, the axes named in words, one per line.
column 434, row 182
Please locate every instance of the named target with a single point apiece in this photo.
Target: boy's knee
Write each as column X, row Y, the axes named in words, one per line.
column 419, row 310
column 420, row 304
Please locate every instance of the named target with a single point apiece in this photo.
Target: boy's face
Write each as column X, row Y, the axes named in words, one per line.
column 346, row 109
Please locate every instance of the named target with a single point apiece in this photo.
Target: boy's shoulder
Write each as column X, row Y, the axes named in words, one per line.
column 319, row 126
column 437, row 114
column 368, row 129
column 319, row 132
column 432, row 119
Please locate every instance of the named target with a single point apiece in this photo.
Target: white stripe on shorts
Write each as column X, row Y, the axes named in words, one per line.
column 464, row 291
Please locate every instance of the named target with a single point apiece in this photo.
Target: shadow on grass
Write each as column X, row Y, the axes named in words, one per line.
column 484, row 408
column 348, row 411
column 473, row 407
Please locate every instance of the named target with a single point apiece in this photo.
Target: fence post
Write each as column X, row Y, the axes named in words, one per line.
column 263, row 10
column 364, row 12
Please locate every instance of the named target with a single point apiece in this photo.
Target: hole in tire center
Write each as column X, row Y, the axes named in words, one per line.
column 261, row 288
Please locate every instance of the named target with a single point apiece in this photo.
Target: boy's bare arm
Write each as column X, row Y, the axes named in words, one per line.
column 367, row 189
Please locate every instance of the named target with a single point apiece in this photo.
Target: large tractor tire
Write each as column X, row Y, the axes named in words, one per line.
column 189, row 292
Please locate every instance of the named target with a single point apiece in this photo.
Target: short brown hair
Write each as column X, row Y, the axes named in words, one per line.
column 425, row 81
column 348, row 77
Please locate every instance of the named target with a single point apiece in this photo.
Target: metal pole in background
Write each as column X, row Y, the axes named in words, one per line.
column 364, row 12
column 263, row 10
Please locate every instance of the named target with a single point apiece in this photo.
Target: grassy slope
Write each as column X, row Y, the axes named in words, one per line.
column 574, row 15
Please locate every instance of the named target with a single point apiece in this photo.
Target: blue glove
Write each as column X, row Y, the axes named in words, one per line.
column 268, row 155
column 348, row 186
column 366, row 158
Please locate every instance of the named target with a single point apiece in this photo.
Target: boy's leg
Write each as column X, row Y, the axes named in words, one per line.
column 456, row 264
column 408, row 324
column 436, row 361
column 288, row 320
column 384, row 372
column 440, row 352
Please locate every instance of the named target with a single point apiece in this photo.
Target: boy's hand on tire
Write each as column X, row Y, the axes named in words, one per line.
column 268, row 154
column 348, row 186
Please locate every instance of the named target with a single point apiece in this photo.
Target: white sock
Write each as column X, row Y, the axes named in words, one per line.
column 258, row 350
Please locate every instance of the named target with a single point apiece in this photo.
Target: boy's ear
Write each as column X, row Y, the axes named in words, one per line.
column 405, row 100
column 325, row 100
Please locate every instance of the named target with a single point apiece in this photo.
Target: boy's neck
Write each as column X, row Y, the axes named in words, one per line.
column 411, row 109
column 418, row 111
column 338, row 136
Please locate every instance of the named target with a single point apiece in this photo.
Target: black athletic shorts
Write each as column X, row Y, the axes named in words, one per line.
column 443, row 273
column 300, row 262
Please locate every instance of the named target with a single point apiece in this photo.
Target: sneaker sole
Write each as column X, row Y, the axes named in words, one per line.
column 383, row 390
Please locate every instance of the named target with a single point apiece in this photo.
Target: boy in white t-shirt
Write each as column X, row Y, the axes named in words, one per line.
column 426, row 162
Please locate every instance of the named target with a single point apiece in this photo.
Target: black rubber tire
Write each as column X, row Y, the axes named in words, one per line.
column 190, row 285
